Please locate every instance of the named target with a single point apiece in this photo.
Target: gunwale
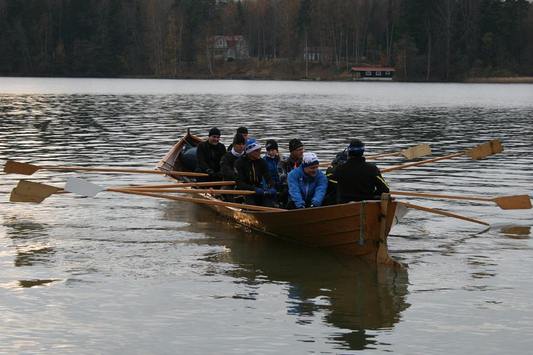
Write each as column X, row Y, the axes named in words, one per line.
column 355, row 228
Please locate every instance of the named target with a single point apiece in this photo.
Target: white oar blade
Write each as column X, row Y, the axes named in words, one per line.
column 82, row 187
column 518, row 202
column 416, row 151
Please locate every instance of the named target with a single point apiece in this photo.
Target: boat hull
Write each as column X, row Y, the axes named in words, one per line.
column 355, row 228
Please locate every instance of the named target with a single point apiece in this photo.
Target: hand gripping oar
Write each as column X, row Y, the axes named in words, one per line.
column 443, row 213
column 516, row 202
column 479, row 152
column 86, row 188
column 14, row 167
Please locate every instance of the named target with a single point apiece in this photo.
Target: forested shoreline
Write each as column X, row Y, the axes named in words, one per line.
column 445, row 40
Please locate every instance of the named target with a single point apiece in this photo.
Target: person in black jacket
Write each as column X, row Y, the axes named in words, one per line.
column 208, row 155
column 227, row 163
column 241, row 130
column 253, row 175
column 356, row 179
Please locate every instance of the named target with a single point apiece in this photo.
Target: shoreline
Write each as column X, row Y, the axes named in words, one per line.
column 339, row 78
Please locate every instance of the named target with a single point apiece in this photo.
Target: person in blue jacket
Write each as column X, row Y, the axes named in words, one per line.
column 272, row 158
column 307, row 184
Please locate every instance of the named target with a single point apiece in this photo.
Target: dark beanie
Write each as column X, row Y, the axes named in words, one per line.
column 356, row 148
column 239, row 139
column 242, row 130
column 214, row 132
column 271, row 144
column 295, row 144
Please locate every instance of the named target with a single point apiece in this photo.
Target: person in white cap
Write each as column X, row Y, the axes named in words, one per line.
column 307, row 184
column 253, row 175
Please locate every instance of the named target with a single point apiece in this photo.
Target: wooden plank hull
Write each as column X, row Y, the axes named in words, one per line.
column 355, row 228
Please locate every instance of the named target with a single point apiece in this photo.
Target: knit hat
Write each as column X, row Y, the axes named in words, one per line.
column 295, row 144
column 356, row 148
column 239, row 139
column 242, row 130
column 309, row 159
column 251, row 145
column 214, row 132
column 271, row 144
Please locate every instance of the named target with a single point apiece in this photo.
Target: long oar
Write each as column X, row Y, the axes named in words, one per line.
column 29, row 191
column 443, row 213
column 516, row 202
column 85, row 188
column 479, row 152
column 416, row 151
column 184, row 184
column 14, row 167
column 190, row 191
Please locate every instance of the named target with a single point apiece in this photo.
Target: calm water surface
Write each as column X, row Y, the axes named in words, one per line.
column 135, row 275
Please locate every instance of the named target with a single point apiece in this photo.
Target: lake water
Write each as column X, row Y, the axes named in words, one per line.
column 125, row 274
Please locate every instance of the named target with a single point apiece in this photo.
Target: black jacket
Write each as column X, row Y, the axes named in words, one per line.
column 227, row 166
column 285, row 166
column 251, row 173
column 358, row 180
column 208, row 157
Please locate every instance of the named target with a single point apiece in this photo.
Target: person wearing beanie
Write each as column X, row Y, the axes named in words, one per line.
column 307, row 184
column 272, row 159
column 208, row 155
column 356, row 179
column 286, row 164
column 253, row 175
column 244, row 132
column 227, row 163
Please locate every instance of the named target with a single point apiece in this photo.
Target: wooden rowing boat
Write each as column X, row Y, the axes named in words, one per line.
column 356, row 228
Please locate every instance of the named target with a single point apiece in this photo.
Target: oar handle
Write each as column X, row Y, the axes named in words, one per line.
column 121, row 170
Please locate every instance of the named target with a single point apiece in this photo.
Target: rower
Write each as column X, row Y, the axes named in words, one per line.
column 241, row 130
column 227, row 163
column 296, row 151
column 208, row 155
column 253, row 174
column 307, row 184
column 356, row 179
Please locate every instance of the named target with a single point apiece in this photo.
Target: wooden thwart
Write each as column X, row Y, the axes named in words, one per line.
column 479, row 152
column 515, row 202
column 14, row 167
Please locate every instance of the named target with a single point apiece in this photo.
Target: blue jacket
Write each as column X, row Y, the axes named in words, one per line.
column 273, row 167
column 305, row 190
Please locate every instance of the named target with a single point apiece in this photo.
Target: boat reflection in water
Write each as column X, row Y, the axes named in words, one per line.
column 347, row 293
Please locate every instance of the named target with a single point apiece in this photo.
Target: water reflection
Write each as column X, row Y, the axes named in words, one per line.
column 349, row 294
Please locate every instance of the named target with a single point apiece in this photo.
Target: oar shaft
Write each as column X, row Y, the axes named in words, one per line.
column 422, row 162
column 185, row 184
column 199, row 200
column 444, row 213
column 195, row 191
column 383, row 155
column 448, row 197
column 120, row 170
